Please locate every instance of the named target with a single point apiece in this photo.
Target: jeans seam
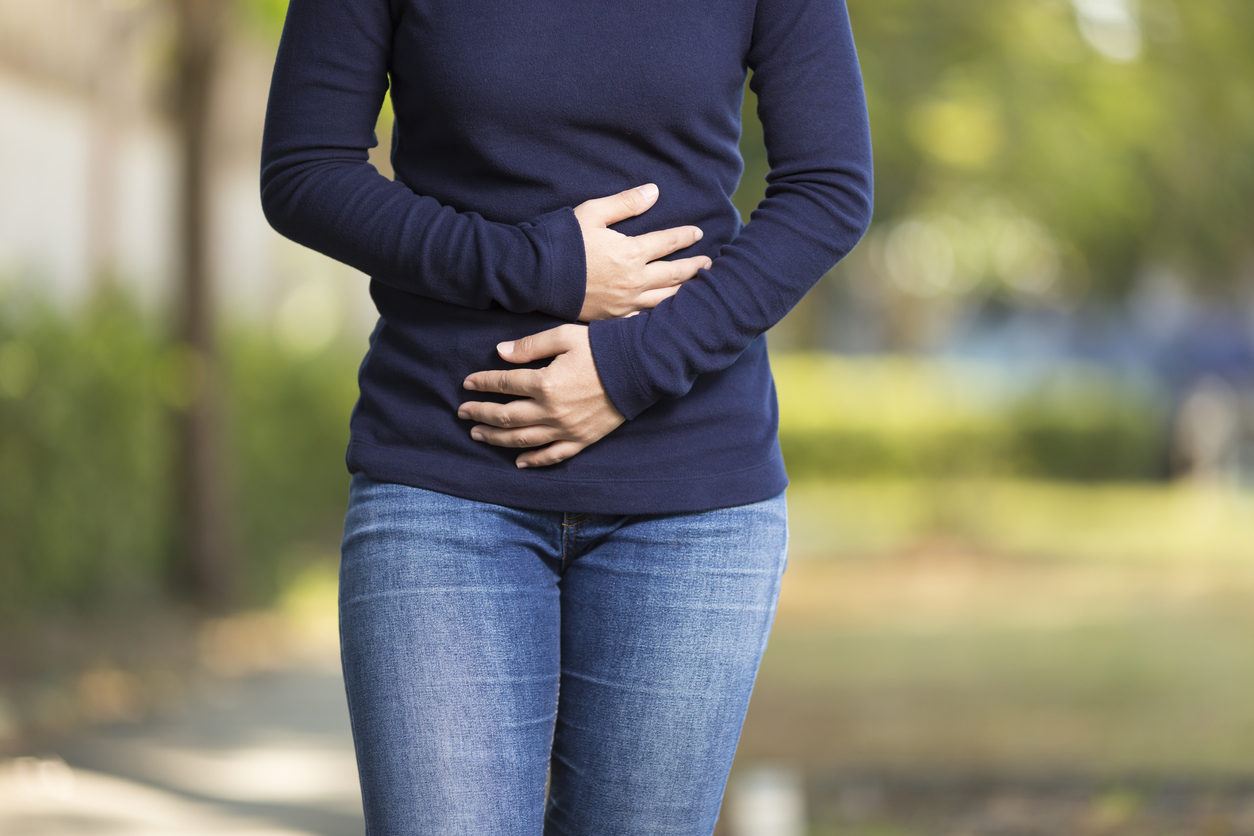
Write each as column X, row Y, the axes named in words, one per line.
column 567, row 543
column 570, row 535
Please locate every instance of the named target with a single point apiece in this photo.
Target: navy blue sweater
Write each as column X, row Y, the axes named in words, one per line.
column 508, row 114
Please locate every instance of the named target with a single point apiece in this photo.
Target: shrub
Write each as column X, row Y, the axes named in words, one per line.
column 844, row 417
column 86, row 400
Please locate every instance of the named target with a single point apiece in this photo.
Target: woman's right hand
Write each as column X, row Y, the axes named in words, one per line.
column 624, row 274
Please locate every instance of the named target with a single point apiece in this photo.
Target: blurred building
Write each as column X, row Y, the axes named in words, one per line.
column 88, row 162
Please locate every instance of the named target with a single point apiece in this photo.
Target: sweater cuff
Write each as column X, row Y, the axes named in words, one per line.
column 613, row 343
column 566, row 274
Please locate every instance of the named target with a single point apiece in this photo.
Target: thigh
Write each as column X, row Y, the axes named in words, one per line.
column 664, row 621
column 449, row 624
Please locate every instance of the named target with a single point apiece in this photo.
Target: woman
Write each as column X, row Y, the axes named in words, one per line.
column 566, row 524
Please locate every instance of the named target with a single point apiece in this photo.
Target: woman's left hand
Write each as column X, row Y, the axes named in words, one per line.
column 563, row 405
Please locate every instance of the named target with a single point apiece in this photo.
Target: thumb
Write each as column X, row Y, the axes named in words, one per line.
column 548, row 343
column 605, row 211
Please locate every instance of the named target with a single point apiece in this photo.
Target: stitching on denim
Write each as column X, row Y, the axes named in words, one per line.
column 567, row 525
column 570, row 535
column 548, row 778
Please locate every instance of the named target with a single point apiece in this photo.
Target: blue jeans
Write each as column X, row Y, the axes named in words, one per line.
column 487, row 648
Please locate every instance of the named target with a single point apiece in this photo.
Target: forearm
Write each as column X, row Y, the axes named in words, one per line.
column 817, row 206
column 710, row 322
column 319, row 188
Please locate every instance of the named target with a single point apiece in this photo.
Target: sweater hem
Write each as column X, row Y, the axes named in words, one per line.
column 532, row 489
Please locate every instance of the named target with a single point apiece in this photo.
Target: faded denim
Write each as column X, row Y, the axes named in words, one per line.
column 487, row 649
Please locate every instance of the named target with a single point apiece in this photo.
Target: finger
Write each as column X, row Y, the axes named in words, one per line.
column 666, row 241
column 522, row 413
column 520, row 437
column 650, row 299
column 558, row 451
column 548, row 343
column 509, row 382
column 604, row 211
column 665, row 273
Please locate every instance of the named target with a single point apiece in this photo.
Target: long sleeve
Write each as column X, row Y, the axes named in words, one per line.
column 817, row 206
column 319, row 189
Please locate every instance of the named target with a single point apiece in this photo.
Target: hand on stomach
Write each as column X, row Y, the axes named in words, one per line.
column 625, row 275
column 563, row 408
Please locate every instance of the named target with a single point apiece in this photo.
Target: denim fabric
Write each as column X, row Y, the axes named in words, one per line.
column 487, row 648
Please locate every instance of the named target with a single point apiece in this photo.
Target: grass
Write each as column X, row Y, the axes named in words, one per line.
column 948, row 636
column 1100, row 522
column 998, row 627
column 1011, row 631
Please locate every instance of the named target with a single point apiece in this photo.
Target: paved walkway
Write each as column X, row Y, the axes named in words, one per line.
column 269, row 755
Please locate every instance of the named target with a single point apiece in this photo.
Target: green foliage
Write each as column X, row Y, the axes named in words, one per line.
column 1113, row 153
column 86, row 471
column 1129, row 142
column 289, row 429
column 86, row 400
column 263, row 17
column 909, row 417
column 1088, row 425
column 752, row 186
column 83, row 456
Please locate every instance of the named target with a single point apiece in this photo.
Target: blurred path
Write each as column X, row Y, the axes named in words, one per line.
column 269, row 755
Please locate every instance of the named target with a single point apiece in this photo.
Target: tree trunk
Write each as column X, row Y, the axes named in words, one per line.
column 108, row 120
column 207, row 568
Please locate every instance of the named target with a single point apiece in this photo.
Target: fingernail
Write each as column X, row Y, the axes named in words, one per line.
column 505, row 348
column 476, row 435
column 521, row 465
column 648, row 191
column 708, row 264
column 700, row 233
column 468, row 384
column 463, row 414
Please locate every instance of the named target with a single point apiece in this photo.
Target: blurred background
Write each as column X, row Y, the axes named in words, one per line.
column 1019, row 421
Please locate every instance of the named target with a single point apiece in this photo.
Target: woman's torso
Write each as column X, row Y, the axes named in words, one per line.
column 512, row 110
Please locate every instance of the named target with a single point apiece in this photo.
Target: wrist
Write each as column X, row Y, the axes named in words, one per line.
column 610, row 342
column 566, row 277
